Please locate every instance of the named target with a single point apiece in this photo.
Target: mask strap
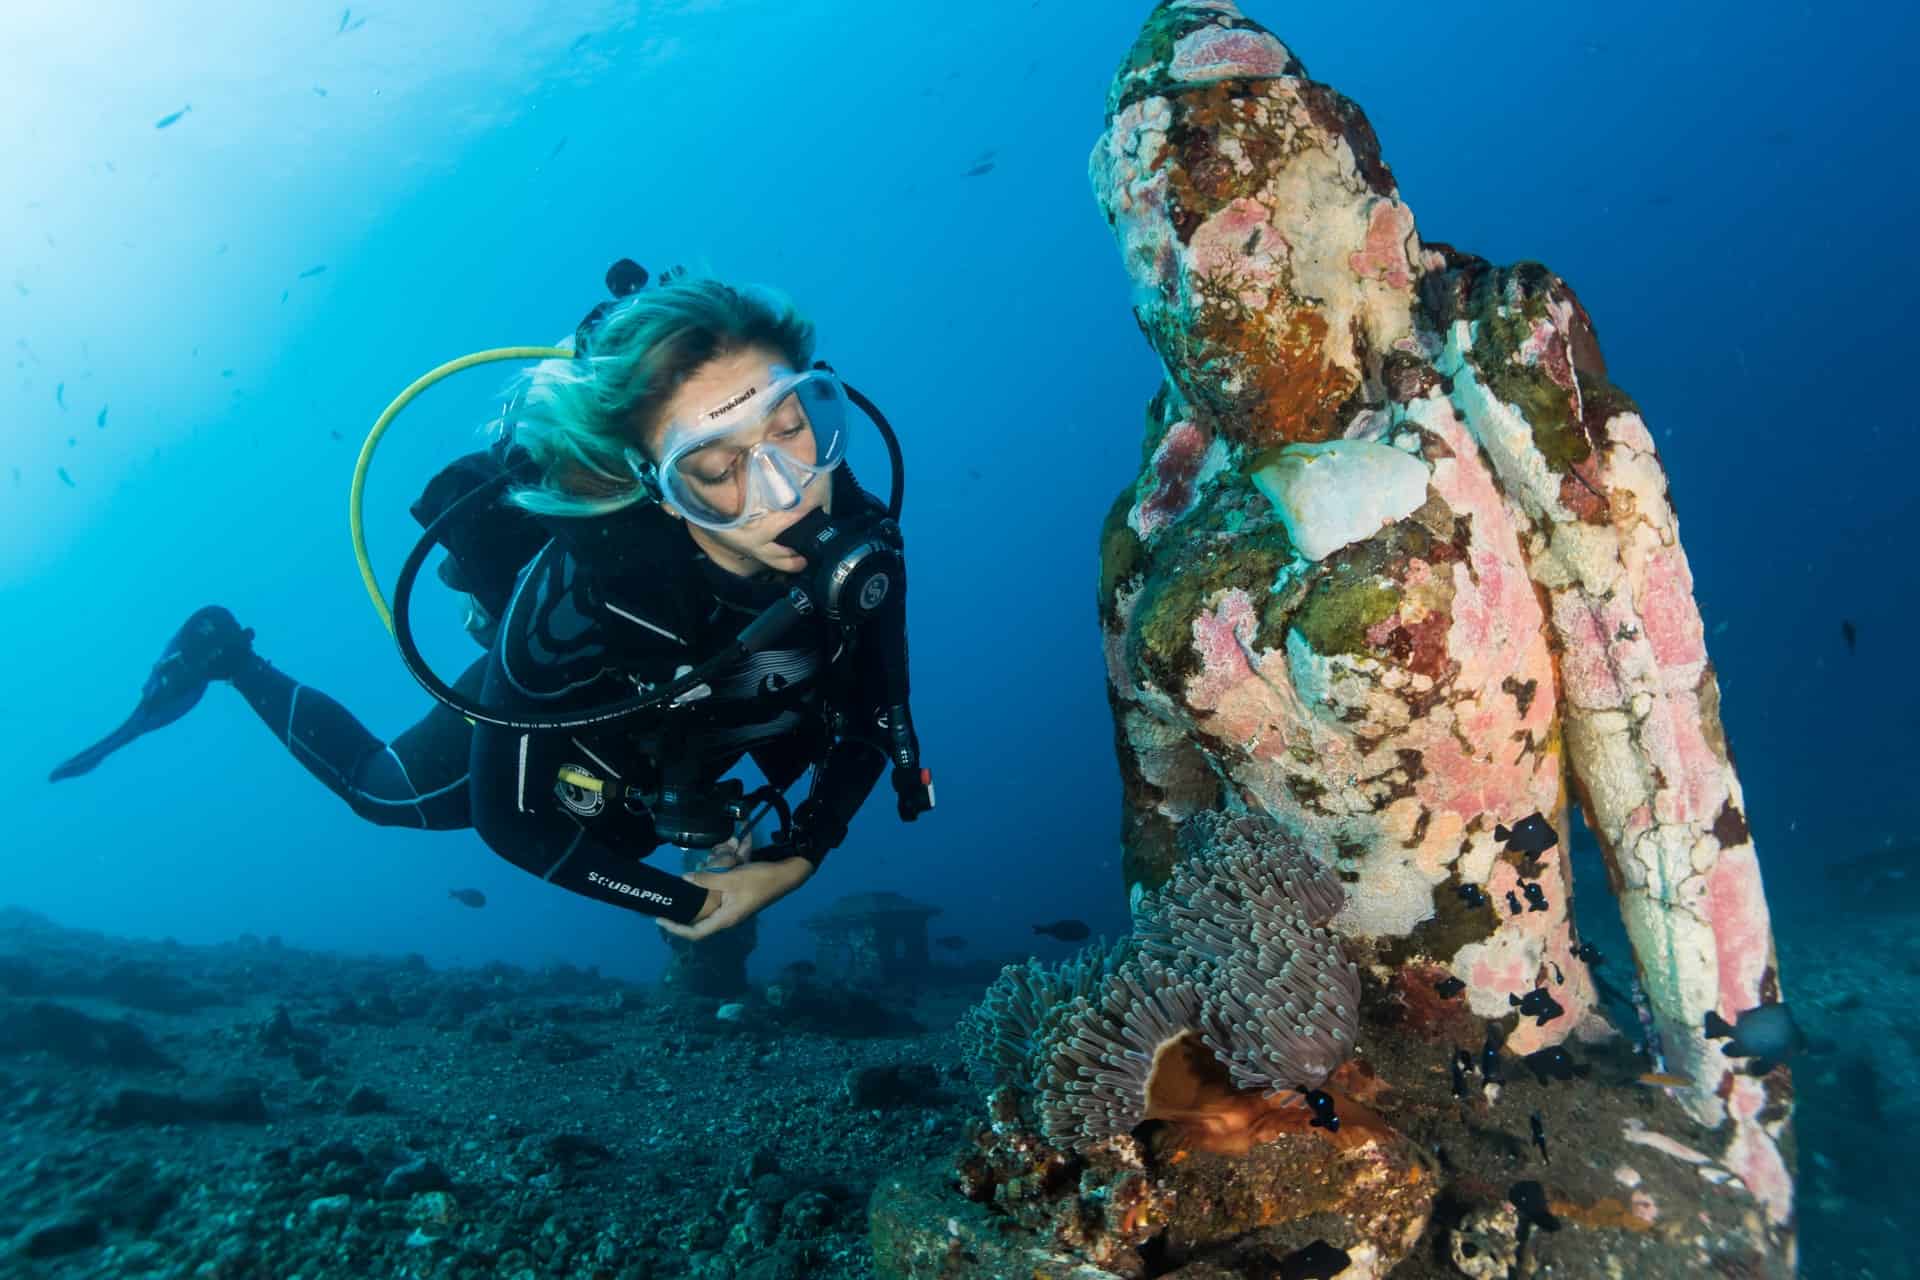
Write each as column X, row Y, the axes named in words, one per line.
column 643, row 471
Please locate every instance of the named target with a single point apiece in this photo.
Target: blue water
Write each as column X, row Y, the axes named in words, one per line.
column 1721, row 184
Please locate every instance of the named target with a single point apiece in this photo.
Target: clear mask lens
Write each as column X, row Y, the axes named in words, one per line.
column 764, row 461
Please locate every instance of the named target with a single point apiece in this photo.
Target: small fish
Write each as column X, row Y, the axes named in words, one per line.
column 335, row 434
column 1536, row 896
column 226, row 373
column 1533, row 835
column 1650, row 1040
column 1663, row 1080
column 101, row 421
column 580, row 42
column 1513, row 903
column 1588, row 952
column 1449, row 986
column 1539, row 1131
column 1538, row 1004
column 170, row 118
column 1559, row 978
column 318, row 92
column 468, row 897
column 60, row 395
column 1459, row 1075
column 952, row 942
column 65, row 477
column 1490, row 1058
column 1472, row 895
column 1463, row 1058
column 346, row 26
column 284, row 293
column 16, row 477
column 1320, row 1102
column 984, row 167
column 1766, row 1033
column 558, row 147
column 1530, row 1198
column 1065, row 930
column 1554, row 1063
column 1848, row 634
column 1318, row 1261
column 311, row 272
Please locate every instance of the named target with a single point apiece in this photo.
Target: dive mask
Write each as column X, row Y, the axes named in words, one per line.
column 755, row 452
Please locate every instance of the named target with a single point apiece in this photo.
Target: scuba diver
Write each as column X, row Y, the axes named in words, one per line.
column 683, row 573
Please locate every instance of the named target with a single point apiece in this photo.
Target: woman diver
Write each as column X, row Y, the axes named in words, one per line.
column 684, row 572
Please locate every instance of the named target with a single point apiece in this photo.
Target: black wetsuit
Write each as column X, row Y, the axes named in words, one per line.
column 629, row 600
column 417, row 780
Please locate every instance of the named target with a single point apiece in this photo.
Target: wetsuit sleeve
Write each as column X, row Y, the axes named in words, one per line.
column 841, row 784
column 518, row 811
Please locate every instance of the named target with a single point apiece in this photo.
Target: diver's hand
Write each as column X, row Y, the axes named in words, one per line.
column 732, row 896
column 729, row 853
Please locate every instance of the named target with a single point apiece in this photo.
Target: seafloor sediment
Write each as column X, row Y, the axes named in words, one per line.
column 500, row 1122
column 256, row 1110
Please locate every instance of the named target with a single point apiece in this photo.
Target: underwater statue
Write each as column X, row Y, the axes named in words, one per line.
column 1399, row 578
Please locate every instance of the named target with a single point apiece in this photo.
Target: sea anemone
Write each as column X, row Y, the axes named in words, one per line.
column 1230, row 999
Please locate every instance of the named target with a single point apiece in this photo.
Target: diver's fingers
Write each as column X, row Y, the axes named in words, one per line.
column 731, row 911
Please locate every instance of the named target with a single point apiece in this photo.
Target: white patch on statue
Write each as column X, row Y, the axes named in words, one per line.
column 1340, row 492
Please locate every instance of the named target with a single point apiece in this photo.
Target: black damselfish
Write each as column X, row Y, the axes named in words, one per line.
column 1490, row 1057
column 1553, row 1063
column 1471, row 895
column 1533, row 835
column 1539, row 1004
column 1530, row 1198
column 1536, row 896
column 1449, row 986
column 1318, row 1261
column 1513, row 903
column 1766, row 1033
column 1320, row 1102
column 1539, row 1129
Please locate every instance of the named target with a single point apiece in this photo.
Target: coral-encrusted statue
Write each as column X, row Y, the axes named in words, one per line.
column 1401, row 567
column 1399, row 571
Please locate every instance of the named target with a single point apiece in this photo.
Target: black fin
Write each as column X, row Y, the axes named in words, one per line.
column 1718, row 1027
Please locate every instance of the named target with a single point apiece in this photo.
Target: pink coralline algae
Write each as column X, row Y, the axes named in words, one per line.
column 1175, row 465
column 1385, row 255
column 1391, row 677
column 1216, row 53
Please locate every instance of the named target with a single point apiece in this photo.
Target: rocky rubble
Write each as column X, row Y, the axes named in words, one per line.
column 316, row 1115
